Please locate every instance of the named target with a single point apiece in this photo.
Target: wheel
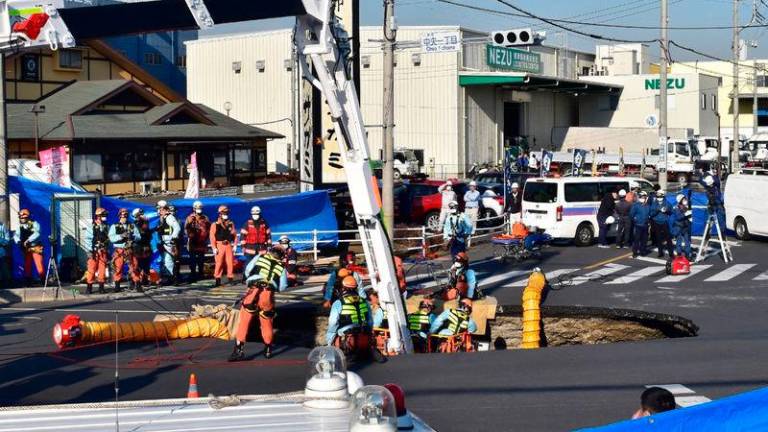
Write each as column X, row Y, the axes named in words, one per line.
column 681, row 177
column 500, row 251
column 432, row 222
column 740, row 226
column 585, row 234
column 396, row 174
column 487, row 213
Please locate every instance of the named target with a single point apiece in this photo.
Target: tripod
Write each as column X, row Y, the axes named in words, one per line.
column 52, row 268
column 724, row 248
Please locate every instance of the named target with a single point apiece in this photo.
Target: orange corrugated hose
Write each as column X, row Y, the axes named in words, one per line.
column 532, row 310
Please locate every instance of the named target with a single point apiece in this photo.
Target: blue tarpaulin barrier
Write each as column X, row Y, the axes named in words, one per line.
column 295, row 213
column 743, row 412
column 699, row 203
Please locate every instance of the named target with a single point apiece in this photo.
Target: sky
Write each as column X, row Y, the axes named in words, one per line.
column 682, row 13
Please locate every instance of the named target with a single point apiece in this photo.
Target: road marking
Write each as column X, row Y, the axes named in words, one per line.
column 608, row 261
column 633, row 277
column 651, row 260
column 760, row 277
column 164, row 312
column 551, row 275
column 730, row 273
column 504, row 276
column 695, row 269
column 598, row 274
column 312, row 289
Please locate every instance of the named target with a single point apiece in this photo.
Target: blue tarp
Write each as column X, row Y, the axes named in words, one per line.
column 699, row 202
column 300, row 212
column 743, row 412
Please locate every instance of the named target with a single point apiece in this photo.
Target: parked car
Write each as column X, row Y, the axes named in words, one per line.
column 745, row 205
column 497, row 178
column 566, row 207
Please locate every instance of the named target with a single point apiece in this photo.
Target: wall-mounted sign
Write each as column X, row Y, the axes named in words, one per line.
column 436, row 42
column 30, row 67
column 672, row 84
column 512, row 59
column 651, row 121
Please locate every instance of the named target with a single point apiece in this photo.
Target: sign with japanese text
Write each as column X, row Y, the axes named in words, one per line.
column 437, row 42
column 56, row 163
column 512, row 59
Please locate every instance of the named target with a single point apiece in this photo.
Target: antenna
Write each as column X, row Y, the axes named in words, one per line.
column 117, row 368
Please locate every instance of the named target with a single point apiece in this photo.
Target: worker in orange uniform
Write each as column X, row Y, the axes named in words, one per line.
column 255, row 236
column 28, row 239
column 97, row 240
column 142, row 250
column 222, row 241
column 265, row 274
column 198, row 227
column 122, row 235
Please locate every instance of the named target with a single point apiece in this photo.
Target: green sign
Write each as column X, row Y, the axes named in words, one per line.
column 672, row 84
column 512, row 59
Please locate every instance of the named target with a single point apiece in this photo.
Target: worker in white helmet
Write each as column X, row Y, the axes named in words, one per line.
column 255, row 235
column 514, row 203
column 472, row 204
column 198, row 228
column 448, row 195
column 290, row 259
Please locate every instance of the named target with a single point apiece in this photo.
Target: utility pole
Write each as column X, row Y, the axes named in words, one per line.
column 390, row 36
column 663, row 151
column 759, row 71
column 5, row 202
column 734, row 149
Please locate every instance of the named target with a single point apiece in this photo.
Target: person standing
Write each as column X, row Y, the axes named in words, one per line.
column 472, row 204
column 533, row 163
column 97, row 240
column 256, row 235
column 168, row 231
column 447, row 196
column 198, row 228
column 290, row 260
column 682, row 221
column 640, row 216
column 456, row 230
column 623, row 234
column 28, row 239
column 607, row 209
column 515, row 204
column 122, row 235
column 142, row 250
column 222, row 237
column 265, row 274
column 659, row 215
column 5, row 269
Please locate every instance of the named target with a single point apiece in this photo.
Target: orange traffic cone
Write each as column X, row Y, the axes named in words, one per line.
column 192, row 392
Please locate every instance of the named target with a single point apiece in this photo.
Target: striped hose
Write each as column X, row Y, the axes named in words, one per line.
column 532, row 311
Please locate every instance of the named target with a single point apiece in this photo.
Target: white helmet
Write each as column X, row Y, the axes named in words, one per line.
column 515, row 185
column 622, row 193
column 610, row 220
column 162, row 204
column 197, row 205
column 284, row 239
column 709, row 180
column 255, row 210
column 473, row 183
column 136, row 212
column 679, row 198
column 449, row 183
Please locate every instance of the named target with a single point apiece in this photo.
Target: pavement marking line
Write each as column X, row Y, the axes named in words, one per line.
column 311, row 289
column 695, row 269
column 634, row 277
column 761, row 277
column 608, row 261
column 550, row 277
column 605, row 271
column 112, row 311
column 730, row 273
column 652, row 260
column 503, row 276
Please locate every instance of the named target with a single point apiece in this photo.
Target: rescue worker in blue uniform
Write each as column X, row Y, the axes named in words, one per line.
column 640, row 215
column 454, row 322
column 456, row 229
column 682, row 221
column 462, row 281
column 168, row 231
column 659, row 214
column 333, row 288
column 419, row 323
column 350, row 315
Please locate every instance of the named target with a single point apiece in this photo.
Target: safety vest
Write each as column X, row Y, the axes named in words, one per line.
column 269, row 268
column 122, row 229
column 418, row 322
column 256, row 232
column 354, row 310
column 100, row 236
column 26, row 230
column 164, row 229
column 458, row 321
column 144, row 232
column 224, row 232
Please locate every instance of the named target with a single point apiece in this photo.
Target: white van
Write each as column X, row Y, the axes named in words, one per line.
column 566, row 207
column 745, row 204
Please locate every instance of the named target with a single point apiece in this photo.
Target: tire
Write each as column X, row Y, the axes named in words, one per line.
column 681, row 177
column 396, row 174
column 740, row 226
column 487, row 213
column 432, row 222
column 585, row 235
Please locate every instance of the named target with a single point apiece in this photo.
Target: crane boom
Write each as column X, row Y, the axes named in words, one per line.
column 35, row 23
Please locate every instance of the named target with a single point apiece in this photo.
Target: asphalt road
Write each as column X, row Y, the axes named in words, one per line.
column 548, row 389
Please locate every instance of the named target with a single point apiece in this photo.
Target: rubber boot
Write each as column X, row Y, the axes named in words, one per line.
column 238, row 353
column 217, row 283
column 118, row 288
column 89, row 289
column 139, row 287
column 268, row 351
column 101, row 288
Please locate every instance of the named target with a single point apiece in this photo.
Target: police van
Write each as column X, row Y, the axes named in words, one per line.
column 566, row 207
column 745, row 205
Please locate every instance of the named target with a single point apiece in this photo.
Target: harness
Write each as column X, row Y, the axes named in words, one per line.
column 354, row 311
column 256, row 232
column 224, row 232
column 122, row 229
column 458, row 321
column 418, row 322
column 100, row 237
column 164, row 229
column 269, row 268
column 26, row 230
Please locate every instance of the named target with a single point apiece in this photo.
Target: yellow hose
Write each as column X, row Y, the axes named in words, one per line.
column 532, row 311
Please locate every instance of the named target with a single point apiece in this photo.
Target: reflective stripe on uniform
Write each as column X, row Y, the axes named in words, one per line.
column 458, row 321
column 354, row 310
column 269, row 269
column 418, row 321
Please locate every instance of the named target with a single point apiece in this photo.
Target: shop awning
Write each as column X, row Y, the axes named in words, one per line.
column 522, row 81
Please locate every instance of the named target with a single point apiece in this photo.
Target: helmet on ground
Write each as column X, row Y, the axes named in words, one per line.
column 255, row 210
column 473, row 183
column 23, row 213
column 515, row 185
column 427, row 304
column 100, row 212
column 122, row 212
column 709, row 181
column 679, row 198
column 462, row 257
column 465, row 305
column 622, row 193
column 284, row 239
column 137, row 212
column 197, row 205
column 349, row 282
column 223, row 209
column 162, row 204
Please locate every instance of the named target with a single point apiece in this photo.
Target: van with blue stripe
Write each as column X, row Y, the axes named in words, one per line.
column 566, row 207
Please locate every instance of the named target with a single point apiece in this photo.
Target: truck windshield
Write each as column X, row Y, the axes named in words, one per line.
column 680, row 148
column 540, row 192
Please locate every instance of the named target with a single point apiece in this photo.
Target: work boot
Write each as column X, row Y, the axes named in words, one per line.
column 232, row 281
column 101, row 288
column 89, row 289
column 238, row 354
column 268, row 351
column 217, row 283
column 118, row 288
column 139, row 288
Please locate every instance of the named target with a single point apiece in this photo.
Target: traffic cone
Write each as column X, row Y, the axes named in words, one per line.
column 192, row 392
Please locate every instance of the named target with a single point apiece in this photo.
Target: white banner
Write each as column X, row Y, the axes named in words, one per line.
column 193, row 187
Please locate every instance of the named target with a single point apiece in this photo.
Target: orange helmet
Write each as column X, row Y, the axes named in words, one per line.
column 349, row 282
column 123, row 212
column 466, row 304
column 223, row 209
column 23, row 213
column 462, row 257
column 101, row 212
column 344, row 273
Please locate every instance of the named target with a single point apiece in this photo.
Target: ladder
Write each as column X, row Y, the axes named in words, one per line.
column 706, row 239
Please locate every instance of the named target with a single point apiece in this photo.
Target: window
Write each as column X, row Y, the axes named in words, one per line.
column 70, row 59
column 703, row 98
column 540, row 192
column 613, row 187
column 582, row 192
column 680, row 148
column 87, row 168
column 423, row 190
column 237, row 67
column 713, row 103
column 671, row 102
column 153, row 59
column 118, row 167
column 762, row 81
column 181, row 61
column 147, row 166
column 241, row 160
column 219, row 164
